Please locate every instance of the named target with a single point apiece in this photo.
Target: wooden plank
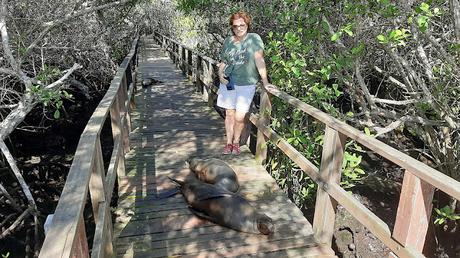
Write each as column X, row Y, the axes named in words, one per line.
column 330, row 171
column 414, row 211
column 230, row 249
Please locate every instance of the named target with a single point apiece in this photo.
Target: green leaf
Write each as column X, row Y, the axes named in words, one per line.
column 382, row 39
column 367, row 131
column 275, row 59
column 57, row 114
column 296, row 71
column 336, row 36
column 425, row 7
column 358, row 49
column 422, row 22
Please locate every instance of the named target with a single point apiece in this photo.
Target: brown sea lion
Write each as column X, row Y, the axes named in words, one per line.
column 216, row 172
column 224, row 208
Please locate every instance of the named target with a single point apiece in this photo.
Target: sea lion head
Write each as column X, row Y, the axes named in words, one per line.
column 195, row 163
column 265, row 224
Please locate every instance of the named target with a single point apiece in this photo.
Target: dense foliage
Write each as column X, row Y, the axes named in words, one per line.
column 389, row 68
column 55, row 55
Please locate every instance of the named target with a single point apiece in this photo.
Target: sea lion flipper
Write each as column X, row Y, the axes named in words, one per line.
column 168, row 193
column 178, row 182
column 209, row 192
column 202, row 215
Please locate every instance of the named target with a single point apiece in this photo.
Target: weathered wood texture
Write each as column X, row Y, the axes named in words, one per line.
column 170, row 124
column 67, row 236
column 419, row 183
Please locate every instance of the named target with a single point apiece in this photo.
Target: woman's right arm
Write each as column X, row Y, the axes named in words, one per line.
column 221, row 65
column 221, row 73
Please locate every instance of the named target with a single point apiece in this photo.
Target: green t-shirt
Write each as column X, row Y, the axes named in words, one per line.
column 239, row 59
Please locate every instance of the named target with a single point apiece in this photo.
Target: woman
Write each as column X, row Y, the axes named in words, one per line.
column 241, row 68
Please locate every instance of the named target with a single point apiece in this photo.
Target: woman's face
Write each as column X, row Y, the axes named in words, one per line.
column 239, row 27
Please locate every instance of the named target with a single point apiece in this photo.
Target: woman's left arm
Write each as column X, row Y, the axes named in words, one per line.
column 261, row 67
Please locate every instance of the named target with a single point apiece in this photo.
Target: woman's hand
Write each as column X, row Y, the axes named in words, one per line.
column 223, row 80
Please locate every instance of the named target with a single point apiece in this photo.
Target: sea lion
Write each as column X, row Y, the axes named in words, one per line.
column 147, row 81
column 216, row 172
column 224, row 208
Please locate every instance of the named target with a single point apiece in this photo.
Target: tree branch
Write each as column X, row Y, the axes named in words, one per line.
column 393, row 125
column 16, row 223
column 8, row 196
column 394, row 102
column 391, row 78
column 64, row 77
column 6, row 46
column 8, row 71
column 363, row 86
column 455, row 7
column 50, row 25
column 17, row 173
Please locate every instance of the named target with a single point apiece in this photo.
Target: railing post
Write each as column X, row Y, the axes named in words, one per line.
column 183, row 61
column 176, row 54
column 265, row 110
column 207, row 81
column 102, row 243
column 199, row 74
column 190, row 65
column 414, row 211
column 122, row 98
column 96, row 182
column 117, row 135
column 330, row 171
column 80, row 247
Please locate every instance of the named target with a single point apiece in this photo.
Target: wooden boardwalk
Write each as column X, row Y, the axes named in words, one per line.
column 169, row 124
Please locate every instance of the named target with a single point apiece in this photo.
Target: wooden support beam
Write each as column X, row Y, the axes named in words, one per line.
column 199, row 72
column 102, row 243
column 183, row 60
column 97, row 180
column 117, row 136
column 265, row 111
column 80, row 246
column 414, row 211
column 190, row 64
column 330, row 171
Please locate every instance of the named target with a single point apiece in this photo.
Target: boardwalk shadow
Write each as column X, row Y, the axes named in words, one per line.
column 170, row 124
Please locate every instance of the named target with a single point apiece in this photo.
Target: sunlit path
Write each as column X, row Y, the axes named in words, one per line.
column 170, row 123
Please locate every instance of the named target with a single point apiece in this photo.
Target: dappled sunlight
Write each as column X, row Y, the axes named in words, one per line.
column 171, row 124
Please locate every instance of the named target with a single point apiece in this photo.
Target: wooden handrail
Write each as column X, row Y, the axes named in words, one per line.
column 66, row 236
column 408, row 237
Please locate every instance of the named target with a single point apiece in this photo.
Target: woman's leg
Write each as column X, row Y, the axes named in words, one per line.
column 230, row 125
column 238, row 126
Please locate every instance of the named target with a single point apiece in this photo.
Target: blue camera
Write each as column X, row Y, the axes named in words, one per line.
column 230, row 84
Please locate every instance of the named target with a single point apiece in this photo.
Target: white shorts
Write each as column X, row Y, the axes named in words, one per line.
column 239, row 99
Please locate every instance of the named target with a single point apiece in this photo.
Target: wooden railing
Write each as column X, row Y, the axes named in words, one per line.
column 415, row 204
column 67, row 235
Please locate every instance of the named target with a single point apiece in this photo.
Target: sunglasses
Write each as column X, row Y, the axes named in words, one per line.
column 239, row 26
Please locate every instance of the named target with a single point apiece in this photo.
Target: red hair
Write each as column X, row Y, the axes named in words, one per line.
column 241, row 15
